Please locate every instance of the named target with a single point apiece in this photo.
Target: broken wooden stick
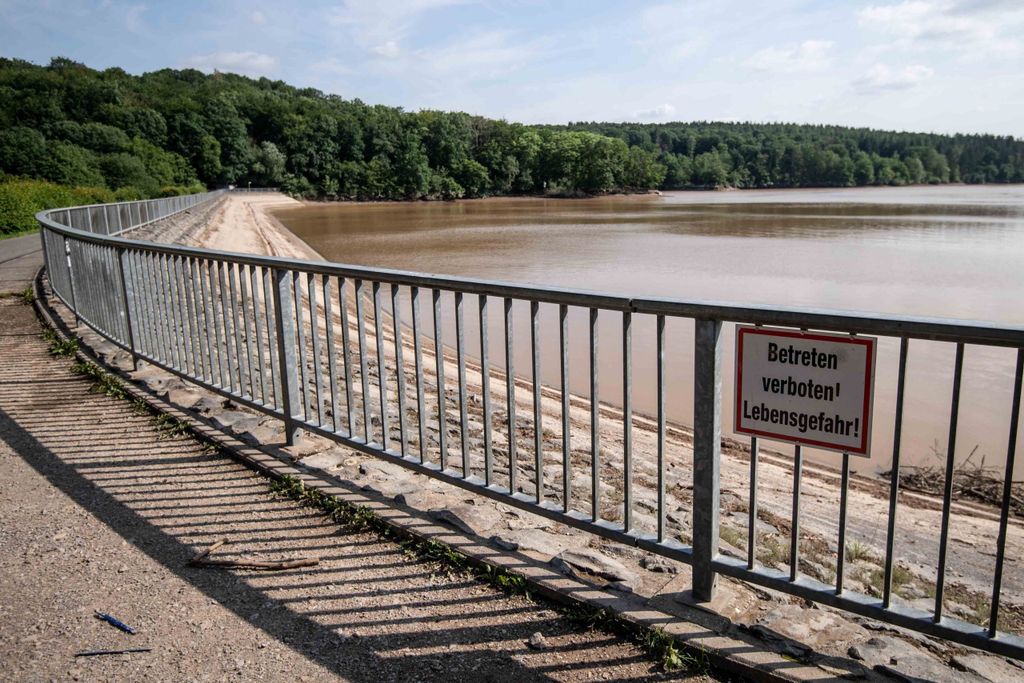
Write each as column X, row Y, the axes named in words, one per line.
column 202, row 560
column 203, row 553
column 255, row 564
column 95, row 653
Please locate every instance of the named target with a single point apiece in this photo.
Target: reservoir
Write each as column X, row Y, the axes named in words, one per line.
column 940, row 251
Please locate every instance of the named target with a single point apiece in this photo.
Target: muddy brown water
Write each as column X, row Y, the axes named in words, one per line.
column 945, row 252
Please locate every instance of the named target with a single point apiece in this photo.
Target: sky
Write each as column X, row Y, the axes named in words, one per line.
column 922, row 65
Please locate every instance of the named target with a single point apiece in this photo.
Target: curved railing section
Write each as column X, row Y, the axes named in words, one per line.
column 342, row 351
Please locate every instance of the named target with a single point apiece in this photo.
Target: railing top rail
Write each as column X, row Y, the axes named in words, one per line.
column 915, row 327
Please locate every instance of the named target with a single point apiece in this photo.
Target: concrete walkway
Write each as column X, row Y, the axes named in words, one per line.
column 20, row 258
column 101, row 510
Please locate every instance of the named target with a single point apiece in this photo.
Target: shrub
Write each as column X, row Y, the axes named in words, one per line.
column 128, row 194
column 20, row 200
column 91, row 195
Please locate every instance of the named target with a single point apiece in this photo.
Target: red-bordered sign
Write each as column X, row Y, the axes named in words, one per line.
column 807, row 388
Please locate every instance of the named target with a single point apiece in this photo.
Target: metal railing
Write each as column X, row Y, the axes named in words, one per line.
column 325, row 347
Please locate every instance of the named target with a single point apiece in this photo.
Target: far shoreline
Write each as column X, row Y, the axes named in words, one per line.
column 651, row 194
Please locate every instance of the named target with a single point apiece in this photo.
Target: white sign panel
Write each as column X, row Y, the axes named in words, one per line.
column 806, row 388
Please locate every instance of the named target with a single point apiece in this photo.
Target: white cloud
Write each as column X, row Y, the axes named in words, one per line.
column 387, row 49
column 381, row 27
column 332, row 66
column 810, row 55
column 662, row 111
column 969, row 27
column 881, row 78
column 668, row 31
column 246, row 63
column 133, row 20
column 258, row 17
column 458, row 65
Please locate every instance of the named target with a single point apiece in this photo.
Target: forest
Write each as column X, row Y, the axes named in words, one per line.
column 70, row 134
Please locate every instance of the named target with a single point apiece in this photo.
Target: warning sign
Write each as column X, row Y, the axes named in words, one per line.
column 806, row 388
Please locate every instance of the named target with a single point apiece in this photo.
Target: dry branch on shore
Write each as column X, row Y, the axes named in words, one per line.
column 975, row 481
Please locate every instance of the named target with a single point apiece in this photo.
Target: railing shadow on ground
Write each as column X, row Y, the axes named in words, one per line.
column 181, row 472
column 79, row 471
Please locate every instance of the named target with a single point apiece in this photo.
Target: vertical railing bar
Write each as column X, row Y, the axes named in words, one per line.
column 332, row 353
column 485, row 389
column 752, row 505
column 186, row 335
column 170, row 336
column 285, row 324
column 90, row 306
column 273, row 359
column 184, row 314
column 660, row 354
column 212, row 337
column 421, row 421
column 117, row 288
column 510, row 396
column 595, row 424
column 120, row 311
column 442, row 420
column 844, row 490
column 100, row 289
column 160, row 302
column 199, row 339
column 93, row 257
column 460, row 355
column 228, row 322
column 71, row 279
column 148, row 305
column 894, row 481
column 139, row 319
column 538, row 426
column 707, row 454
column 253, row 273
column 396, row 319
column 1004, row 512
column 627, row 420
column 363, row 370
column 300, row 340
column 346, row 355
column 211, row 272
column 947, row 494
column 314, row 331
column 246, row 308
column 563, row 342
column 382, row 367
column 236, row 322
column 794, row 539
column 201, row 342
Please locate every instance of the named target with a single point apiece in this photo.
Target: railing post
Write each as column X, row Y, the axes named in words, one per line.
column 285, row 324
column 707, row 433
column 126, row 308
column 71, row 280
column 46, row 259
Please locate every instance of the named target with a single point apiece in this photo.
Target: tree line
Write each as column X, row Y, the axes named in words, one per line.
column 173, row 131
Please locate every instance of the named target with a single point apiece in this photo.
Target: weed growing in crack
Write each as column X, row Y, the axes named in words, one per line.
column 171, row 426
column 103, row 382
column 59, row 346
